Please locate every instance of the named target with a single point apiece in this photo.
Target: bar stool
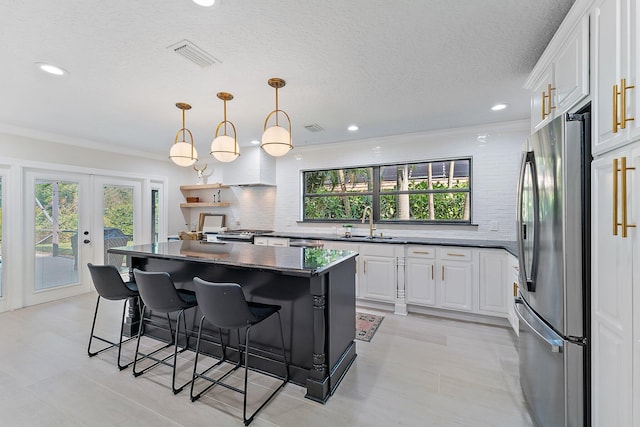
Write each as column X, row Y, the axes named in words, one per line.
column 224, row 306
column 109, row 285
column 158, row 293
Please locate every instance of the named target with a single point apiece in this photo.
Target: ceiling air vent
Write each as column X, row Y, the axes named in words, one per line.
column 193, row 53
column 314, row 128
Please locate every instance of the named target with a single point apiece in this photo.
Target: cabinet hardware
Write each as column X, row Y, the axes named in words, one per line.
column 432, row 274
column 550, row 98
column 615, row 124
column 516, row 268
column 546, row 97
column 615, row 196
column 443, row 273
column 455, row 254
column 623, row 191
column 364, row 269
column 515, row 289
column 421, row 252
column 623, row 103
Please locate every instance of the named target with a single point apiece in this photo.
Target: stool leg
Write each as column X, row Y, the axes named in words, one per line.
column 135, row 358
column 246, row 371
column 195, row 361
column 93, row 325
column 124, row 310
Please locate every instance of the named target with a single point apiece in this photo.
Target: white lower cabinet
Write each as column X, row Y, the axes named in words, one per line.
column 494, row 283
column 440, row 277
column 378, row 272
column 420, row 273
column 512, row 292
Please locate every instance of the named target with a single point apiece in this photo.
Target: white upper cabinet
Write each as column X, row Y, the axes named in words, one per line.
column 562, row 80
column 615, row 67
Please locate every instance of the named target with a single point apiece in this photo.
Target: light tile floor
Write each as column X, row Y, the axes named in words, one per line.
column 417, row 371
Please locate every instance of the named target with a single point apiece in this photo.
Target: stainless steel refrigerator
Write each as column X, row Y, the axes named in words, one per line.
column 553, row 238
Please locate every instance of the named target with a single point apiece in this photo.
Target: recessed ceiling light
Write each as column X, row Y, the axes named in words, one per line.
column 353, row 128
column 499, row 107
column 205, row 3
column 255, row 142
column 51, row 69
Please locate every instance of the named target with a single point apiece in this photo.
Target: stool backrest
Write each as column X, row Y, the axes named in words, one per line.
column 108, row 282
column 223, row 304
column 158, row 292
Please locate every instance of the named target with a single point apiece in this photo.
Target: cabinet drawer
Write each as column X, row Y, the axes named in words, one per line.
column 377, row 249
column 454, row 254
column 421, row 251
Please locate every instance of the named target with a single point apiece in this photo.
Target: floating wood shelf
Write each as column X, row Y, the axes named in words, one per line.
column 205, row 205
column 202, row 187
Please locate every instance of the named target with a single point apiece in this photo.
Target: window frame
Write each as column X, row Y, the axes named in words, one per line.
column 376, row 193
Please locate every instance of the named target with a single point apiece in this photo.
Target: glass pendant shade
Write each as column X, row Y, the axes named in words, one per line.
column 276, row 141
column 182, row 155
column 224, row 149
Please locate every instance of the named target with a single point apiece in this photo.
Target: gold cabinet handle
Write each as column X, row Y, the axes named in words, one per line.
column 615, row 123
column 515, row 289
column 623, row 103
column 623, row 171
column 615, row 197
column 443, row 273
column 543, row 103
column 432, row 272
column 550, row 98
column 422, row 252
column 365, row 267
column 455, row 254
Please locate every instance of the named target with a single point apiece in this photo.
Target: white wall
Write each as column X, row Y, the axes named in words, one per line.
column 495, row 150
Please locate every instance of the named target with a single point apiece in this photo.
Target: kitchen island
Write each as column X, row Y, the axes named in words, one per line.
column 314, row 287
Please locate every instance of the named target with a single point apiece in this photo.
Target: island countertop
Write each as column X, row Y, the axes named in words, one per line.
column 291, row 261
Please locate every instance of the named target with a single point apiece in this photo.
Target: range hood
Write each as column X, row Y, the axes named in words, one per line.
column 253, row 167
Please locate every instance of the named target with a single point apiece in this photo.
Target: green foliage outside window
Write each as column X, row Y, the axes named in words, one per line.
column 437, row 191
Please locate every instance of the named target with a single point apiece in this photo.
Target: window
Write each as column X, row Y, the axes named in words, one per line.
column 423, row 192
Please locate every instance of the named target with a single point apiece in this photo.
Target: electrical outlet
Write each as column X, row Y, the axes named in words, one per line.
column 493, row 226
column 237, row 222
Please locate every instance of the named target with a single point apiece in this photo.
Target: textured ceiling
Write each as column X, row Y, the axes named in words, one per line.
column 391, row 67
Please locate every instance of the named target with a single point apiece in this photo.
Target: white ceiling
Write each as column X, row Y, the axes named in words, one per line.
column 391, row 67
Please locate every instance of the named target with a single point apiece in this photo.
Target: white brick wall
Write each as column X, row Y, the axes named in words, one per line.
column 495, row 150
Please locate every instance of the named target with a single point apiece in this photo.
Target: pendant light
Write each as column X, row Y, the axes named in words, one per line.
column 223, row 147
column 276, row 140
column 183, row 153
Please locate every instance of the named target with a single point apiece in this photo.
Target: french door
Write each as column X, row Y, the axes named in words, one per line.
column 57, row 235
column 72, row 219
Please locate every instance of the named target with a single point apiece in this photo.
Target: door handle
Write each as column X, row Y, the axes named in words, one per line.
column 86, row 241
column 555, row 344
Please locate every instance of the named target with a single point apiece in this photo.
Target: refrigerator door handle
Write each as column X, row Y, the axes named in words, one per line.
column 527, row 276
column 540, row 329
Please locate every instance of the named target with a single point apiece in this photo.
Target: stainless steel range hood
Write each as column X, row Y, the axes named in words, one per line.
column 253, row 167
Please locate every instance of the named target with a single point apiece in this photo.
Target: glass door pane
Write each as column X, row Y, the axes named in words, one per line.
column 56, row 233
column 117, row 202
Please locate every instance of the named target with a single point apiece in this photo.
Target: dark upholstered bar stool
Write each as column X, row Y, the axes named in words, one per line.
column 159, row 294
column 224, row 306
column 109, row 285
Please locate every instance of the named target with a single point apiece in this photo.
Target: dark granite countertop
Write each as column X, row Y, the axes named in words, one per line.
column 509, row 246
column 292, row 261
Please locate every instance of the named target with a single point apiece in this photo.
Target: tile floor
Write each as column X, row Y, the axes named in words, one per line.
column 417, row 371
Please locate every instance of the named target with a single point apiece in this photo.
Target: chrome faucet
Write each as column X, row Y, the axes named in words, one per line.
column 364, row 215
